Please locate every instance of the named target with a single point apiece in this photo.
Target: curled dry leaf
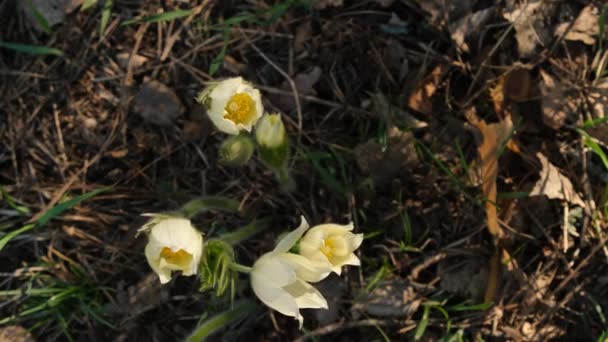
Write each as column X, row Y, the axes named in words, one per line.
column 584, row 28
column 554, row 185
column 304, row 82
column 420, row 98
column 531, row 21
column 558, row 104
column 136, row 61
column 494, row 137
column 468, row 27
column 158, row 104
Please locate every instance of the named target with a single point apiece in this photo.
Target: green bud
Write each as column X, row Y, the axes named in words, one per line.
column 272, row 141
column 216, row 271
column 236, row 150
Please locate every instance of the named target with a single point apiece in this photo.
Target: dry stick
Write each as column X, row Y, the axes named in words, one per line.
column 292, row 84
column 171, row 40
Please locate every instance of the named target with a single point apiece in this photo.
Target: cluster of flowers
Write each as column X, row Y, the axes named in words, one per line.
column 235, row 107
column 281, row 278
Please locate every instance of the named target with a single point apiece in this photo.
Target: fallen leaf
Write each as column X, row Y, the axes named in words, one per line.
column 532, row 23
column 302, row 35
column 465, row 278
column 136, row 61
column 558, row 104
column 385, row 164
column 517, row 85
column 584, row 28
column 52, row 11
column 554, row 185
column 391, row 298
column 494, row 137
column 420, row 98
column 158, row 104
column 469, row 27
column 15, row 333
column 304, row 83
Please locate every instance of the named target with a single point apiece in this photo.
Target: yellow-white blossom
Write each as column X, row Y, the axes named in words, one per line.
column 270, row 131
column 281, row 279
column 332, row 243
column 233, row 105
column 173, row 245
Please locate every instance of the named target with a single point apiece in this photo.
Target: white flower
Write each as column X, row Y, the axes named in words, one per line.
column 332, row 243
column 270, row 131
column 280, row 279
column 233, row 105
column 173, row 245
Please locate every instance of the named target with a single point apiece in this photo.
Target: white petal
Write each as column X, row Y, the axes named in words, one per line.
column 291, row 238
column 271, row 270
column 268, row 277
column 306, row 296
column 356, row 241
column 306, row 269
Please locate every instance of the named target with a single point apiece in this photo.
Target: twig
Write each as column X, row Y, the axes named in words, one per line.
column 292, row 84
column 171, row 40
column 338, row 326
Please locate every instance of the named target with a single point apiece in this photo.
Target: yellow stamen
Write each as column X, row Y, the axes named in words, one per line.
column 240, row 108
column 327, row 248
column 180, row 258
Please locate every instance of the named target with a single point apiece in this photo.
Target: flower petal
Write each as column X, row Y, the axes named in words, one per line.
column 291, row 238
column 306, row 296
column 305, row 268
column 271, row 270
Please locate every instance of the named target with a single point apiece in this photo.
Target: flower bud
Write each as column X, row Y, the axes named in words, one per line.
column 236, row 150
column 272, row 141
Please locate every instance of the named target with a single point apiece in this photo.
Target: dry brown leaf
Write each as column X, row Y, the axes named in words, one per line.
column 517, row 85
column 303, row 35
column 557, row 102
column 136, row 61
column 420, row 98
column 494, row 137
column 304, row 82
column 584, row 28
column 531, row 21
column 158, row 104
column 468, row 27
column 15, row 333
column 554, row 185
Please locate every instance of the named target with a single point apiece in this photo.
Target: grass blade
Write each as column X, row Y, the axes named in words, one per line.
column 31, row 49
column 88, row 4
column 60, row 208
column 40, row 19
column 50, row 214
column 197, row 205
column 155, row 18
column 221, row 320
column 105, row 16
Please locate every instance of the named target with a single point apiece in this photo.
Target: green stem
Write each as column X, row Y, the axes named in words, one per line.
column 245, row 232
column 240, row 268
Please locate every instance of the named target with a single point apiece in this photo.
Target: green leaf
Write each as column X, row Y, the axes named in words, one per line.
column 31, row 49
column 40, row 19
column 218, row 60
column 221, row 320
column 424, row 322
column 245, row 232
column 50, row 214
column 8, row 237
column 60, row 208
column 88, row 4
column 155, row 18
column 470, row 307
column 12, row 203
column 105, row 16
column 594, row 146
